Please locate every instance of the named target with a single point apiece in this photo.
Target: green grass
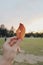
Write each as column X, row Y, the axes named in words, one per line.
column 30, row 45
column 33, row 46
column 16, row 63
column 1, row 42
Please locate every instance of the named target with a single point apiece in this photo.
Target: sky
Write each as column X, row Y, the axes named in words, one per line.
column 28, row 12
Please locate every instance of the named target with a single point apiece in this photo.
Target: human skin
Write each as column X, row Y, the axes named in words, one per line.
column 12, row 46
column 20, row 32
column 9, row 52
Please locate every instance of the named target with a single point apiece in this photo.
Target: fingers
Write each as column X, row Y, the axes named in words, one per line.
column 12, row 41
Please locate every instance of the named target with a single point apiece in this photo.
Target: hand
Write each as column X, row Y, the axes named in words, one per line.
column 12, row 41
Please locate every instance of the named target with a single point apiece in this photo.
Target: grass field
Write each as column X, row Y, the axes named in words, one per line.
column 31, row 46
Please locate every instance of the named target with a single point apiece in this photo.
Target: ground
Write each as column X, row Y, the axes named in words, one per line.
column 32, row 52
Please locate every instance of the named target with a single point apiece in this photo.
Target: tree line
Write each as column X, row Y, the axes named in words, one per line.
column 9, row 33
column 4, row 32
column 34, row 34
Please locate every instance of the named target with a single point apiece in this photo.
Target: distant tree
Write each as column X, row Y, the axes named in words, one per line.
column 2, row 26
column 12, row 31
